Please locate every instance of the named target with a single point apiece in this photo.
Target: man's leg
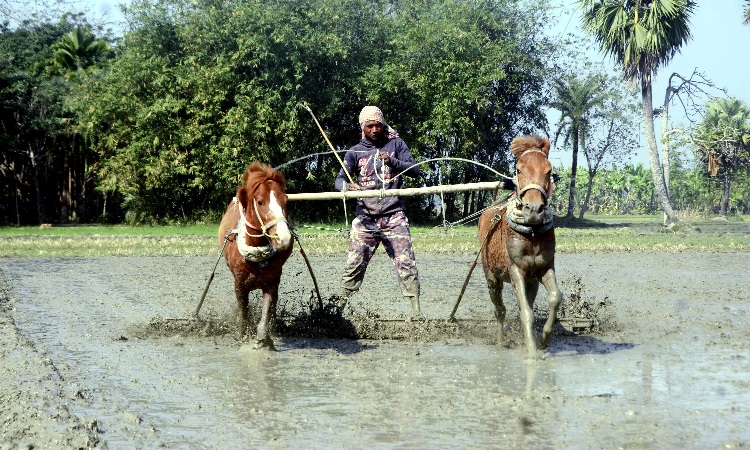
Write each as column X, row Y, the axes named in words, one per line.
column 398, row 245
column 362, row 244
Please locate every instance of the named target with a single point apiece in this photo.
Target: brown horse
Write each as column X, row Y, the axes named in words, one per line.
column 258, row 242
column 518, row 242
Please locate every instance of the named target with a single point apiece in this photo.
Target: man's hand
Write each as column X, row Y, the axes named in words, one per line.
column 385, row 158
column 353, row 187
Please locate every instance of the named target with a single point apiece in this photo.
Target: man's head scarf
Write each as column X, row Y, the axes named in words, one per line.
column 370, row 113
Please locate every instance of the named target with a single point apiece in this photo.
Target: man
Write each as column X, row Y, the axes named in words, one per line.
column 379, row 161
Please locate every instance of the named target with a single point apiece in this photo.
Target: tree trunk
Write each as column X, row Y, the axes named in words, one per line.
column 18, row 209
column 724, row 208
column 653, row 153
column 65, row 202
column 589, row 187
column 37, row 187
column 664, row 139
column 573, row 171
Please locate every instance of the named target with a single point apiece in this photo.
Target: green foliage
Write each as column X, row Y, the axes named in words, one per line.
column 78, row 50
column 164, row 122
column 577, row 99
column 43, row 155
column 724, row 134
column 199, row 90
column 722, row 141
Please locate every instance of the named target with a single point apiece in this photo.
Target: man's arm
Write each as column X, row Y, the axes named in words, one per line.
column 341, row 178
column 402, row 160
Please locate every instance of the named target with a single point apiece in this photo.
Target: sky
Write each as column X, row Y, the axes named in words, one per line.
column 718, row 49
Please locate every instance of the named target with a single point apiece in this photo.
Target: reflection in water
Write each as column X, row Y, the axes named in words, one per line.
column 404, row 395
column 188, row 392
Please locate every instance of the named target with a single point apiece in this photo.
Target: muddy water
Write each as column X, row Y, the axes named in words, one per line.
column 668, row 365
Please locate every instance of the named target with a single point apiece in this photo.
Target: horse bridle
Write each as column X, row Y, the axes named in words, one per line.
column 515, row 218
column 528, row 187
column 264, row 227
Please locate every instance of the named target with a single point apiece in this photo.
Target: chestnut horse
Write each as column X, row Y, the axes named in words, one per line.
column 518, row 242
column 256, row 239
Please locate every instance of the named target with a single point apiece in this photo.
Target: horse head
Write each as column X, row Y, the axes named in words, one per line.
column 263, row 205
column 533, row 177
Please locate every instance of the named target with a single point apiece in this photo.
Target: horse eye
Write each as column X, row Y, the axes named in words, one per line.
column 260, row 202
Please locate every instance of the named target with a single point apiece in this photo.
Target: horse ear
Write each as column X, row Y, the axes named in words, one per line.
column 546, row 146
column 242, row 196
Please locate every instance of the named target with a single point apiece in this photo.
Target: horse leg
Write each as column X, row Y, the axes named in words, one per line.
column 549, row 280
column 242, row 304
column 532, row 287
column 526, row 311
column 268, row 312
column 495, row 287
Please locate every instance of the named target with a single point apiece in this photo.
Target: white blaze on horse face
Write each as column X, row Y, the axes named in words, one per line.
column 282, row 229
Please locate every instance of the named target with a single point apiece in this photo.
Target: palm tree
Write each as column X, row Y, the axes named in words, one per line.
column 723, row 141
column 746, row 17
column 79, row 49
column 642, row 35
column 576, row 98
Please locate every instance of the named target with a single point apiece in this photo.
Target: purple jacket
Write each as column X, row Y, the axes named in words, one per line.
column 361, row 162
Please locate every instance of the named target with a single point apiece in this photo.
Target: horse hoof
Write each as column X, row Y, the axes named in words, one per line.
column 265, row 344
column 535, row 355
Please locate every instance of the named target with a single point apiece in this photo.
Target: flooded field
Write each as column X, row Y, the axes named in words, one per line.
column 95, row 354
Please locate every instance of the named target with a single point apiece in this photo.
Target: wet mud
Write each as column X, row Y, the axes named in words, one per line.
column 105, row 353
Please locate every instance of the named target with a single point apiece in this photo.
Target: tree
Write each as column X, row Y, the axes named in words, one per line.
column 723, row 142
column 746, row 17
column 30, row 134
column 199, row 89
column 576, row 98
column 41, row 150
column 79, row 50
column 10, row 109
column 612, row 137
column 642, row 36
column 74, row 55
column 687, row 91
column 459, row 85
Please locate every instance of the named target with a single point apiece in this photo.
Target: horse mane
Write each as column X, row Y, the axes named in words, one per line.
column 259, row 172
column 534, row 141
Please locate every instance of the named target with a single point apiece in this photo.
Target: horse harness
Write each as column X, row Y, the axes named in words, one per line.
column 256, row 254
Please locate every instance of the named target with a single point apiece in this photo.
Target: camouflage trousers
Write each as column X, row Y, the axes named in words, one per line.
column 367, row 233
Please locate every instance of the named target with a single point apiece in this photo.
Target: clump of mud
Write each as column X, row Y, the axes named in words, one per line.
column 584, row 314
column 317, row 319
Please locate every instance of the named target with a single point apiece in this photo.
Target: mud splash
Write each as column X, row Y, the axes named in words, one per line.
column 330, row 322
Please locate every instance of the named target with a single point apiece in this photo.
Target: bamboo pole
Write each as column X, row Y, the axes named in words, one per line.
column 407, row 192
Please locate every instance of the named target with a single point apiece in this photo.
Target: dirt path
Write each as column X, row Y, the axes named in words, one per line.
column 89, row 360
